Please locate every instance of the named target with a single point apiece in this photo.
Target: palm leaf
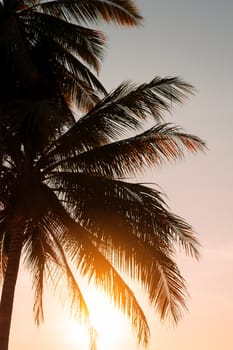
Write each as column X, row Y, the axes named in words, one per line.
column 68, row 236
column 148, row 264
column 123, row 12
column 92, row 264
column 120, row 112
column 131, row 156
column 131, row 225
column 46, row 257
column 75, row 80
column 77, row 304
column 138, row 208
column 151, row 98
column 36, row 258
column 4, row 247
column 169, row 293
column 76, row 241
column 83, row 42
column 160, row 277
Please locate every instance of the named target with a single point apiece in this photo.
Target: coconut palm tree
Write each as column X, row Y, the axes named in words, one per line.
column 47, row 59
column 70, row 204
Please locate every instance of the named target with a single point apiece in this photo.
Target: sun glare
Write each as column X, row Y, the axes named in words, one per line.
column 110, row 324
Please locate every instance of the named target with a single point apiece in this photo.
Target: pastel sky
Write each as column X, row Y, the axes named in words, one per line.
column 191, row 39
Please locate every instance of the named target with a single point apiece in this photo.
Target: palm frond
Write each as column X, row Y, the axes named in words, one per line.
column 77, row 243
column 122, row 12
column 72, row 76
column 130, row 157
column 92, row 264
column 4, row 246
column 46, row 228
column 80, row 41
column 36, row 258
column 151, row 98
column 78, row 305
column 45, row 257
column 74, row 66
column 167, row 293
column 79, row 93
column 148, row 263
column 120, row 112
column 154, row 268
column 132, row 226
column 131, row 207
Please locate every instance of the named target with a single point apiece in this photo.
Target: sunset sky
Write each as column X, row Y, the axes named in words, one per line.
column 193, row 40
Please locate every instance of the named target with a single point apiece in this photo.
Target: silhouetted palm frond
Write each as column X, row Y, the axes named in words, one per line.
column 84, row 42
column 123, row 12
column 92, row 264
column 131, row 156
column 43, row 44
column 123, row 110
column 141, row 209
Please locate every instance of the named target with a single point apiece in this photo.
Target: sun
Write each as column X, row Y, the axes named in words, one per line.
column 107, row 320
column 111, row 326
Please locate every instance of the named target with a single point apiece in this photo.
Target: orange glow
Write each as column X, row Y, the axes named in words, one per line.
column 108, row 322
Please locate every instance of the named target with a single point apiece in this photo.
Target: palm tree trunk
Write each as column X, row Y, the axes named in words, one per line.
column 8, row 290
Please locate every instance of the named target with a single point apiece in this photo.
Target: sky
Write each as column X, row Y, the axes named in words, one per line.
column 193, row 40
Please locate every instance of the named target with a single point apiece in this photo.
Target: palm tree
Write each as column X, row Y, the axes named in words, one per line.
column 69, row 203
column 47, row 55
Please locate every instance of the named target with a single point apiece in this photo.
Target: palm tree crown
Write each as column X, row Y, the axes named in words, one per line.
column 48, row 61
column 64, row 194
column 73, row 203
